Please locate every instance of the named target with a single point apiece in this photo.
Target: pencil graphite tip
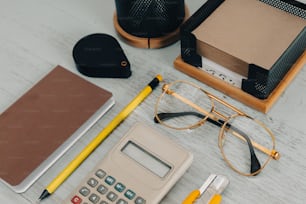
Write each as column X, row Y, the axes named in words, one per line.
column 44, row 195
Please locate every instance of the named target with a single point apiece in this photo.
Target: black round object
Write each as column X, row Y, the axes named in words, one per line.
column 150, row 18
column 100, row 55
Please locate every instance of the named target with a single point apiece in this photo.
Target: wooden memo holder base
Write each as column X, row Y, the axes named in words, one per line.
column 236, row 93
column 149, row 42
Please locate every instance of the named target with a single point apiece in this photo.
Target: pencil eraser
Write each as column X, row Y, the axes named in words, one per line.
column 100, row 55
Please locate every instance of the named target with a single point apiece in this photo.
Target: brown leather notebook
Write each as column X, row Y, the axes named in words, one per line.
column 47, row 120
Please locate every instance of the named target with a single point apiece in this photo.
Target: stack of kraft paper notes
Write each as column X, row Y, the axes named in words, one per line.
column 261, row 43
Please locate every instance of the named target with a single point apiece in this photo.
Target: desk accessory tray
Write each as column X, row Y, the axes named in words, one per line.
column 258, row 40
column 37, row 129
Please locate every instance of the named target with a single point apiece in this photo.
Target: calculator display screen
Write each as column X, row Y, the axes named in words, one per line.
column 146, row 159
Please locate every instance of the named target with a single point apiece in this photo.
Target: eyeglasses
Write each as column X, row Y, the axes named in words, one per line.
column 246, row 144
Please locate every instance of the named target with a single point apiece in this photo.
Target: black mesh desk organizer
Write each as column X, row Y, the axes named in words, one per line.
column 260, row 81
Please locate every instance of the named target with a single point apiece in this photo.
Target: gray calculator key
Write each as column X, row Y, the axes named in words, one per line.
column 110, row 180
column 130, row 194
column 120, row 187
column 112, row 196
column 103, row 202
column 100, row 173
column 84, row 191
column 92, row 182
column 102, row 189
column 121, row 201
column 94, row 198
column 140, row 200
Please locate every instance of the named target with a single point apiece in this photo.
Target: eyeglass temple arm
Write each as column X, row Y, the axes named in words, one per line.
column 255, row 164
column 166, row 116
column 273, row 153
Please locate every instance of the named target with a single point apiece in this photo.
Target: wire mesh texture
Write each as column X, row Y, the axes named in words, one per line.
column 150, row 18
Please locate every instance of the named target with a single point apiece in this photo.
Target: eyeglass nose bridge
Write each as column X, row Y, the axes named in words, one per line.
column 224, row 103
column 218, row 115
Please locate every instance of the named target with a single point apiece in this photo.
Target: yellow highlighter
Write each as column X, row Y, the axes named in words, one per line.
column 209, row 192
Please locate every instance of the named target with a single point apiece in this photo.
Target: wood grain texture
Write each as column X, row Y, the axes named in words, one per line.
column 36, row 35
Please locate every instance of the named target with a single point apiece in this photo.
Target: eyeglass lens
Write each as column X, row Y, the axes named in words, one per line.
column 235, row 149
column 177, row 114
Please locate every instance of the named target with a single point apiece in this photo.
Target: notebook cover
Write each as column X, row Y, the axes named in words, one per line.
column 44, row 118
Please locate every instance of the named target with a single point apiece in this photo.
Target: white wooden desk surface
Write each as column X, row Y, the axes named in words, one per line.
column 36, row 35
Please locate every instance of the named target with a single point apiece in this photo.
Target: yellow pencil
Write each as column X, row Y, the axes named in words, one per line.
column 75, row 163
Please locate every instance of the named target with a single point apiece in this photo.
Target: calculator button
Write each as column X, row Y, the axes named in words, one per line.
column 129, row 194
column 110, row 180
column 120, row 187
column 92, row 182
column 140, row 200
column 121, row 201
column 76, row 200
column 103, row 202
column 100, row 173
column 102, row 189
column 84, row 191
column 94, row 198
column 112, row 196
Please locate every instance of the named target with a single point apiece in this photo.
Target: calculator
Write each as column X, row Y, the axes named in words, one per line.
column 140, row 169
